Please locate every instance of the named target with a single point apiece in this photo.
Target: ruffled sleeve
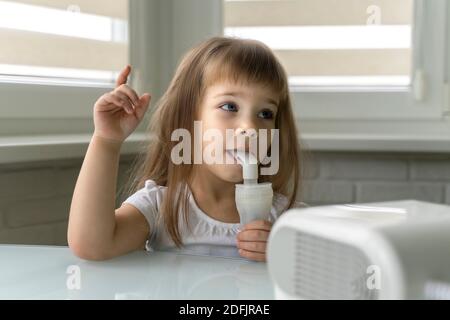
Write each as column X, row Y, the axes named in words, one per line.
column 146, row 201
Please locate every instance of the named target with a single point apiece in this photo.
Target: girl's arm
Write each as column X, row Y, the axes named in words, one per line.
column 96, row 231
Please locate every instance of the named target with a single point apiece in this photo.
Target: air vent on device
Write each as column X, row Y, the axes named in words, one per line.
column 327, row 269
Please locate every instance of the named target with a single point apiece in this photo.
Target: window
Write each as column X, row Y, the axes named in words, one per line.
column 340, row 90
column 331, row 43
column 57, row 58
column 371, row 71
column 63, row 42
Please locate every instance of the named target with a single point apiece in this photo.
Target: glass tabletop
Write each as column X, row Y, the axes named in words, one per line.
column 46, row 272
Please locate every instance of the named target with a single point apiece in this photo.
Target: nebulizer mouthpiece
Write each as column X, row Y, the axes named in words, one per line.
column 253, row 199
column 249, row 165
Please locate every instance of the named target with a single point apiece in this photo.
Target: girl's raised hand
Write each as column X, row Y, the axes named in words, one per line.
column 252, row 240
column 119, row 112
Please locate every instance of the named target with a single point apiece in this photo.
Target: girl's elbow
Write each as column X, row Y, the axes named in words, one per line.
column 88, row 252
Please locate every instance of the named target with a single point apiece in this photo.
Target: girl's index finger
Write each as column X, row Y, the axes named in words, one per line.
column 123, row 76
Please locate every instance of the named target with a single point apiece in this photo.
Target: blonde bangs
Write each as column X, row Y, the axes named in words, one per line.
column 246, row 62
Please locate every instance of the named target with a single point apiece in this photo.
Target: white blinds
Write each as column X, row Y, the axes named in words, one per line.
column 59, row 39
column 115, row 8
column 330, row 42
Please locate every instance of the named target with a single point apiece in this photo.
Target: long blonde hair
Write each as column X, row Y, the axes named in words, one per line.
column 215, row 59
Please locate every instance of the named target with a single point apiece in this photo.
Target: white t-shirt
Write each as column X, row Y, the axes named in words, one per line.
column 209, row 236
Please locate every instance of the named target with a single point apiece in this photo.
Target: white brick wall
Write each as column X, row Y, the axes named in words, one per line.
column 42, row 234
column 447, row 194
column 35, row 198
column 26, row 183
column 383, row 191
column 47, row 210
column 432, row 170
column 363, row 168
column 327, row 191
column 371, row 177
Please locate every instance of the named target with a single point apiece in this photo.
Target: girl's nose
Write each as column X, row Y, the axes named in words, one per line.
column 247, row 132
column 247, row 127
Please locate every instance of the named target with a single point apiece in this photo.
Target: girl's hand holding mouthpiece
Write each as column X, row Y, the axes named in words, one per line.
column 252, row 240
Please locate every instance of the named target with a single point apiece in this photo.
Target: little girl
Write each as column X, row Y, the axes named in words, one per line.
column 225, row 83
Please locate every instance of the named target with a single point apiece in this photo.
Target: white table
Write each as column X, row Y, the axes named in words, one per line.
column 45, row 272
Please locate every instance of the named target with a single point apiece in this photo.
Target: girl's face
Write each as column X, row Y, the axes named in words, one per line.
column 236, row 107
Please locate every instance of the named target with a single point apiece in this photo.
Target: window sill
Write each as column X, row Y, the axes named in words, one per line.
column 54, row 147
column 376, row 143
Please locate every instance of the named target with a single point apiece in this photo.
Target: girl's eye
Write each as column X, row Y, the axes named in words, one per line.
column 229, row 107
column 266, row 114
